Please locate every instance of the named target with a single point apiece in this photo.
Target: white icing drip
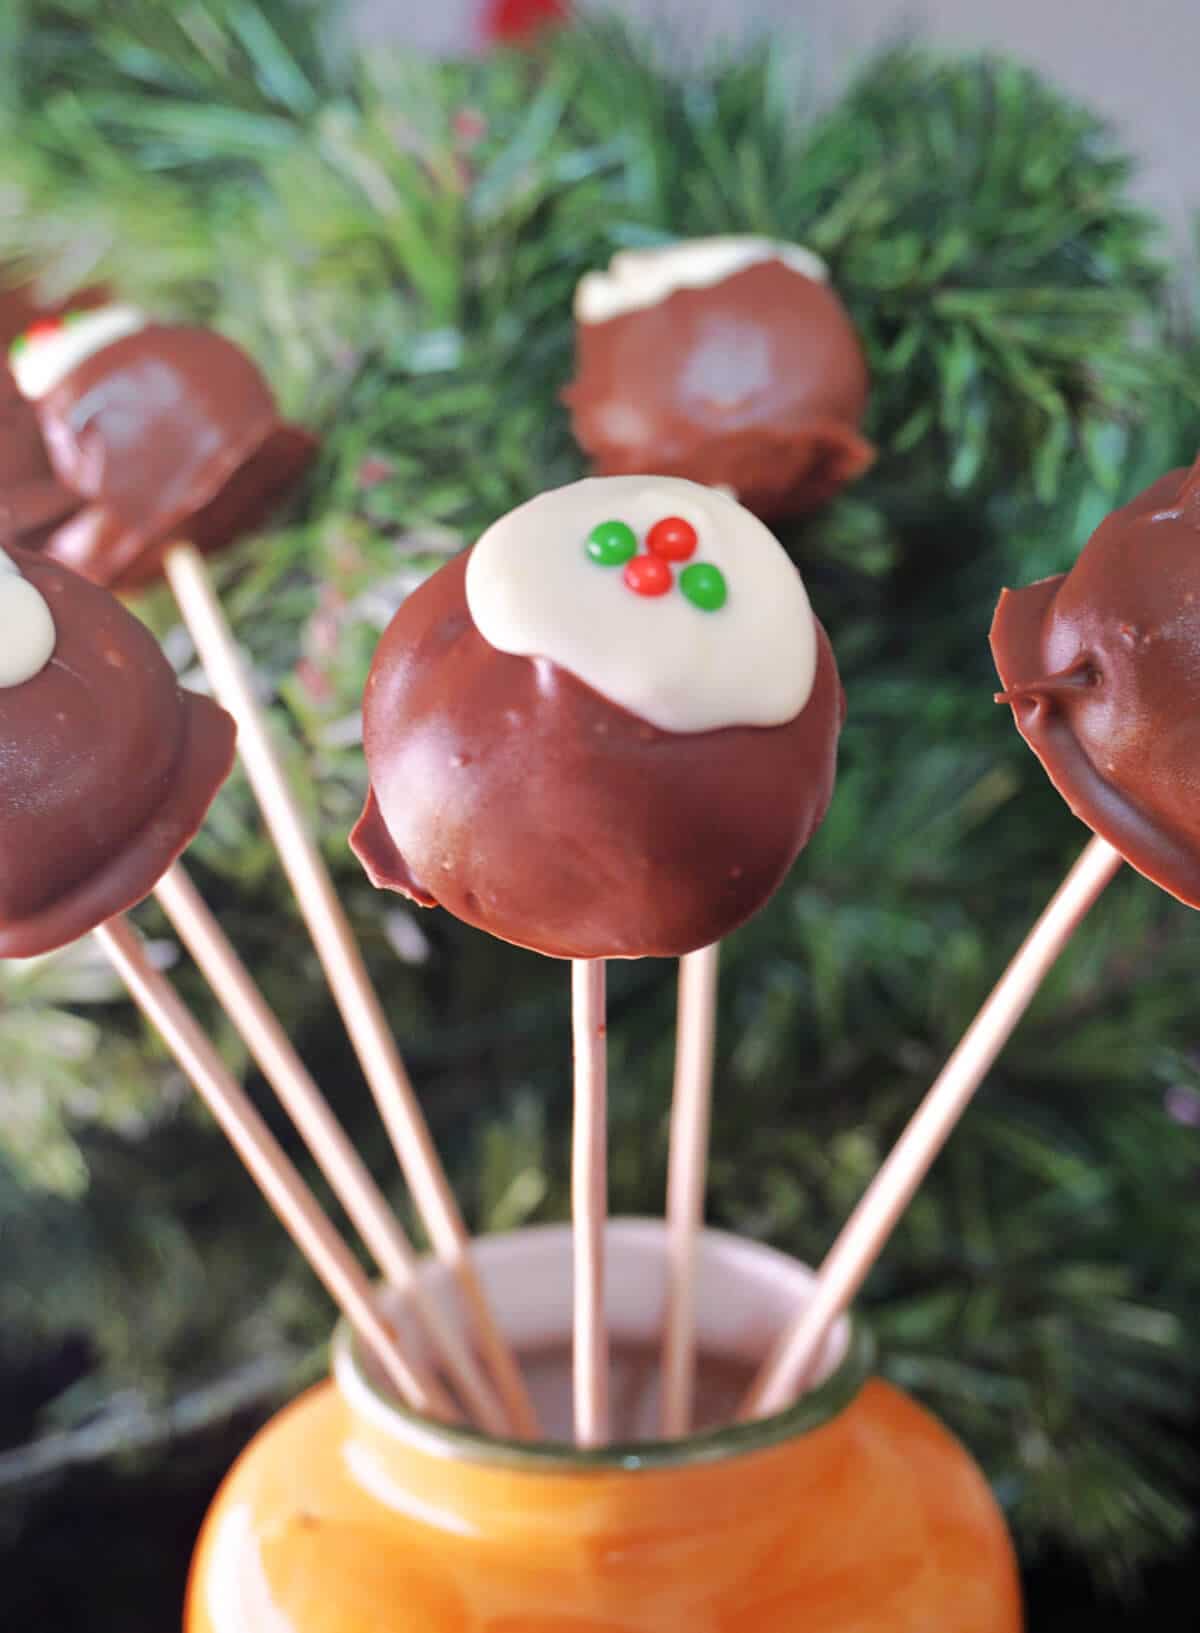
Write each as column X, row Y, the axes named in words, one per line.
column 642, row 277
column 27, row 633
column 43, row 361
column 533, row 590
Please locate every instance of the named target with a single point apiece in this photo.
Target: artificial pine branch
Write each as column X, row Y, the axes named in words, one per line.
column 398, row 242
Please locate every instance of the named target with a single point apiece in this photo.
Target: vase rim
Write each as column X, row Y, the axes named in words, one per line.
column 460, row 1442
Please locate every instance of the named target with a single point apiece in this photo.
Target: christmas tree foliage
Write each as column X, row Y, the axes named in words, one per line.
column 397, row 242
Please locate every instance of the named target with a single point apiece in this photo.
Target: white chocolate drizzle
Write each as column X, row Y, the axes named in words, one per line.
column 643, row 277
column 27, row 633
column 534, row 591
column 42, row 358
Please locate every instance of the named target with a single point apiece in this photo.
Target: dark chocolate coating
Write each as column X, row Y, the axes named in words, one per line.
column 757, row 383
column 1102, row 668
column 107, row 765
column 168, row 434
column 509, row 792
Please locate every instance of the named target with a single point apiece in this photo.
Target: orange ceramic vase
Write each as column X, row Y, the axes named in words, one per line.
column 853, row 1512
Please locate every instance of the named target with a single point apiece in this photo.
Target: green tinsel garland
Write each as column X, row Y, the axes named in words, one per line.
column 398, row 242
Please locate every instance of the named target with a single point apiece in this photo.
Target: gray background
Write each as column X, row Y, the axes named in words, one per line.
column 1138, row 63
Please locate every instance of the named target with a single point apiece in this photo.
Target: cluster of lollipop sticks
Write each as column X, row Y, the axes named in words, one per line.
column 547, row 673
column 499, row 1406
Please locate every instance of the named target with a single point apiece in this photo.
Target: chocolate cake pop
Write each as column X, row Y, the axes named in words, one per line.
column 162, row 433
column 109, row 766
column 726, row 360
column 605, row 731
column 1102, row 668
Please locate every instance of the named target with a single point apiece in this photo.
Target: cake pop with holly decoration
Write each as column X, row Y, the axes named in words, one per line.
column 109, row 766
column 161, row 432
column 729, row 361
column 1101, row 666
column 608, row 729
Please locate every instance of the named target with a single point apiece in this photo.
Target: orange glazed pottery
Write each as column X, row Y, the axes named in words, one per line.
column 852, row 1512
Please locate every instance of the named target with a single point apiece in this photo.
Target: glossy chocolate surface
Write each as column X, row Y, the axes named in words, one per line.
column 757, row 383
column 168, row 434
column 507, row 791
column 108, row 767
column 1102, row 668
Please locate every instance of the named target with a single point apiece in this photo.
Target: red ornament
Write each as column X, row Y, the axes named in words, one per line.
column 673, row 539
column 508, row 22
column 648, row 575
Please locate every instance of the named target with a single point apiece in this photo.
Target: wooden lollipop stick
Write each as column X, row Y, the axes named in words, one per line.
column 269, row 1165
column 589, row 1198
column 348, row 1176
column 344, row 969
column 691, row 1108
column 865, row 1234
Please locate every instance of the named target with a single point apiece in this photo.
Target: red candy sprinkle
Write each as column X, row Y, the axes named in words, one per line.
column 672, row 539
column 648, row 575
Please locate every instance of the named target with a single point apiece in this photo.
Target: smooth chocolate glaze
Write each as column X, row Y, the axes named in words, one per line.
column 757, row 383
column 1102, row 668
column 507, row 791
column 168, row 434
column 108, row 767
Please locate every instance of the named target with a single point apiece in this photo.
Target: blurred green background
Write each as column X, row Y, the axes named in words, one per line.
column 397, row 242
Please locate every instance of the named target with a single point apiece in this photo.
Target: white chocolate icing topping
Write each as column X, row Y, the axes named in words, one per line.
column 48, row 351
column 642, row 277
column 27, row 633
column 534, row 590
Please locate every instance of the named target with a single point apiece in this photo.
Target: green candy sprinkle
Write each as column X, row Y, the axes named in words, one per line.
column 704, row 585
column 612, row 544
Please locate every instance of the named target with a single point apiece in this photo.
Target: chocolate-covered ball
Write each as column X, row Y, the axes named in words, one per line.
column 108, row 765
column 605, row 731
column 1102, row 668
column 729, row 361
column 163, row 433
